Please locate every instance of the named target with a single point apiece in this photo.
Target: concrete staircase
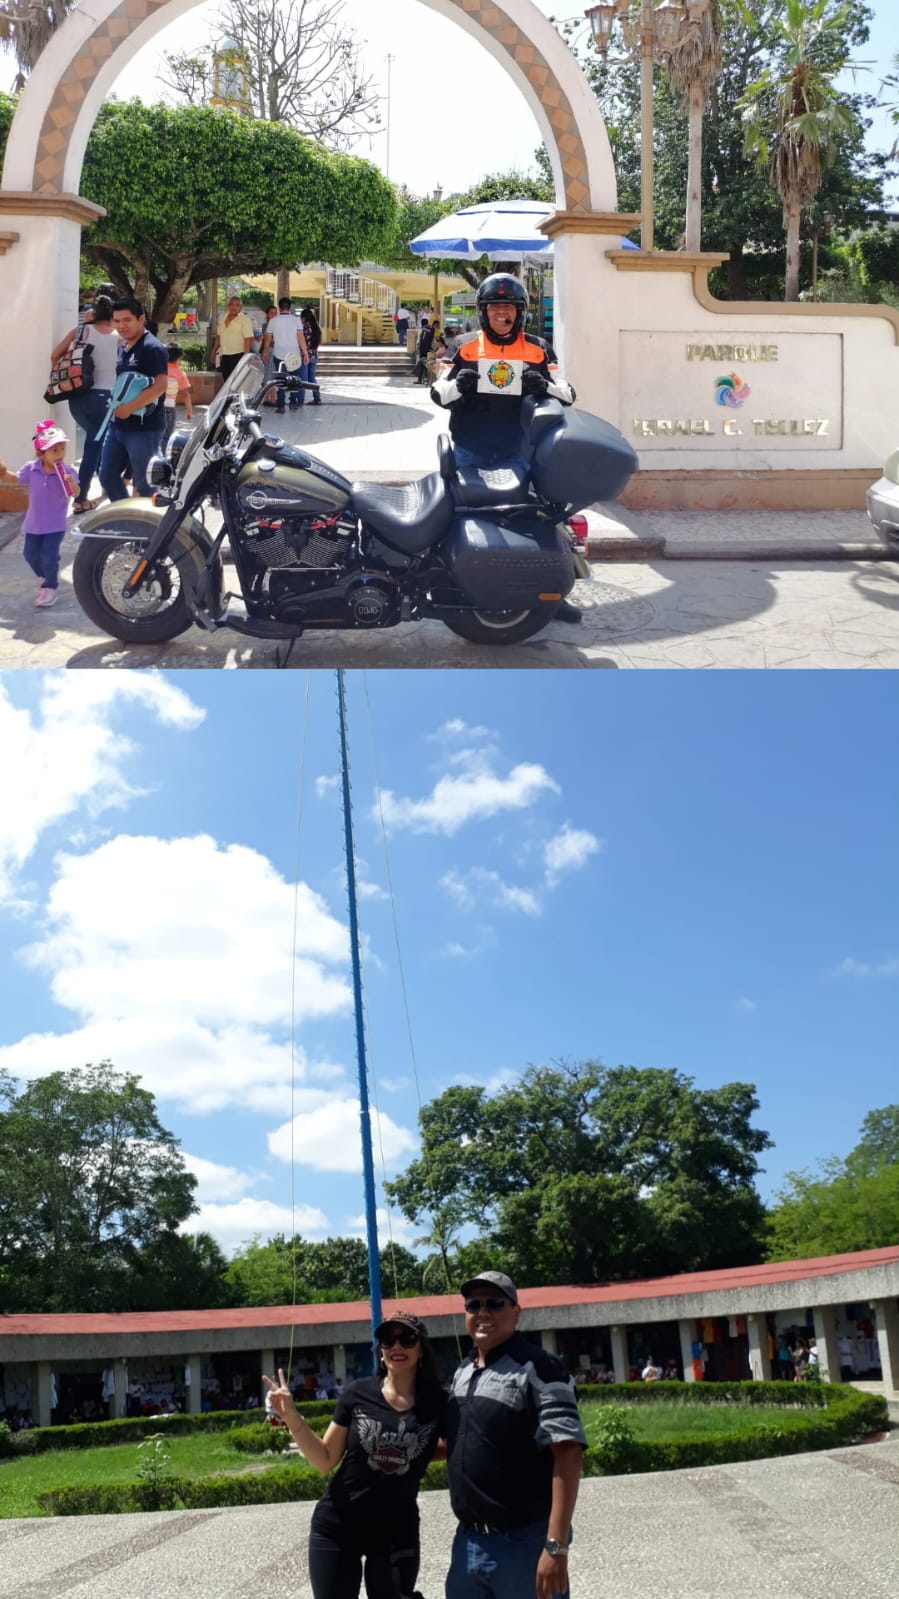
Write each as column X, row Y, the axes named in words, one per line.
column 363, row 361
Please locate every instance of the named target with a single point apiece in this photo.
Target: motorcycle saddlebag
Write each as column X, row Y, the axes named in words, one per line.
column 584, row 461
column 508, row 563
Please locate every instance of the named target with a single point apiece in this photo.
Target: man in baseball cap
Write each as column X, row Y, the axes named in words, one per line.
column 514, row 1445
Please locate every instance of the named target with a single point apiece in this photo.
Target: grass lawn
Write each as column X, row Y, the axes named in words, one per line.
column 660, row 1420
column 195, row 1455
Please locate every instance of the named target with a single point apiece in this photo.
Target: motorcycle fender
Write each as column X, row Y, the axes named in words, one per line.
column 140, row 519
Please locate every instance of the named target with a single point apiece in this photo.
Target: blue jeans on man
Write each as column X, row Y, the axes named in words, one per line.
column 297, row 399
column 497, row 1565
column 124, row 449
column 88, row 411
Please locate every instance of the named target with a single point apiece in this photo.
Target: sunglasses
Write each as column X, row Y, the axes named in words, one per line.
column 405, row 1338
column 474, row 1305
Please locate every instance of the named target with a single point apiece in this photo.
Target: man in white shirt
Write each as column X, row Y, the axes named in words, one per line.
column 284, row 336
column 402, row 325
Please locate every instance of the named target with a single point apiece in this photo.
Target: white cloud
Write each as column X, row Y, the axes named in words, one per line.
column 175, row 956
column 65, row 753
column 236, row 1224
column 853, row 968
column 326, row 785
column 326, row 1134
column 469, row 796
column 456, row 728
column 483, row 885
column 745, row 1004
column 569, row 851
column 214, row 1181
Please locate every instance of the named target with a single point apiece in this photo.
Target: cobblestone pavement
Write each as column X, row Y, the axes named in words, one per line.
column 818, row 1526
column 664, row 613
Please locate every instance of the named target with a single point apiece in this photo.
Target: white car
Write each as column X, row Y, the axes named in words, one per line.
column 883, row 503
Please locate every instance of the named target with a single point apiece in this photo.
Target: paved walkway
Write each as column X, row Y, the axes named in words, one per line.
column 820, row 1526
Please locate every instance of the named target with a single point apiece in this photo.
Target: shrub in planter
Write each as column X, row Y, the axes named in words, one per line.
column 283, row 1485
column 6, row 1441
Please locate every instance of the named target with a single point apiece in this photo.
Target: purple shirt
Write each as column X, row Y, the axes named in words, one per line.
column 48, row 502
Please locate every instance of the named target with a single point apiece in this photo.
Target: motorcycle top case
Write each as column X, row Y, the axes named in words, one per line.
column 507, row 563
column 585, row 460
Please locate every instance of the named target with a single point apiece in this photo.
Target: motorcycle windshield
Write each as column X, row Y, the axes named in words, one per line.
column 247, row 377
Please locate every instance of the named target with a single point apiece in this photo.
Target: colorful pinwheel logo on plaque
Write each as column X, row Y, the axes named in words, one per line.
column 731, row 391
column 501, row 374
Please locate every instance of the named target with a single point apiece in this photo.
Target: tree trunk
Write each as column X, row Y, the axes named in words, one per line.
column 168, row 301
column 794, row 214
column 736, row 273
column 693, row 239
column 283, row 289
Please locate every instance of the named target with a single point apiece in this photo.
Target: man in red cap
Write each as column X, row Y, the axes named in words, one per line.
column 514, row 1450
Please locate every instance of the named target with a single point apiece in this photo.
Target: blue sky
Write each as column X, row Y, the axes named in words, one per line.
column 696, row 872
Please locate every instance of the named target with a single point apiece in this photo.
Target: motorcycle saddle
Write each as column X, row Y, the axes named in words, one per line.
column 409, row 518
column 508, row 483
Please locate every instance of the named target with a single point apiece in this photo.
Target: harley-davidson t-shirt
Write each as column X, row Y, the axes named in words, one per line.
column 386, row 1450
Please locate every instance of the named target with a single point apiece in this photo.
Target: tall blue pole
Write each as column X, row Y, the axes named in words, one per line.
column 368, row 1166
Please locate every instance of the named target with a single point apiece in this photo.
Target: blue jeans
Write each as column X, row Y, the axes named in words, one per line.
column 88, row 411
column 41, row 551
column 497, row 1565
column 123, row 448
column 311, row 370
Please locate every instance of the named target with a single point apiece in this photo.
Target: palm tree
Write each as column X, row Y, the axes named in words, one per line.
column 29, row 25
column 794, row 116
column 441, row 1239
column 693, row 66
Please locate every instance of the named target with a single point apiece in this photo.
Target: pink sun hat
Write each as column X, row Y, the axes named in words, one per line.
column 46, row 434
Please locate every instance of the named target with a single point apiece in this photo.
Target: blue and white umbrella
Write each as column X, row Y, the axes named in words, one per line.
column 505, row 230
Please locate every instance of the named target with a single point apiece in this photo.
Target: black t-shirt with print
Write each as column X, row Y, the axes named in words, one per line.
column 387, row 1451
column 149, row 356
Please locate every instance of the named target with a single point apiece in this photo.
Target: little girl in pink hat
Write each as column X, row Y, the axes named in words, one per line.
column 51, row 486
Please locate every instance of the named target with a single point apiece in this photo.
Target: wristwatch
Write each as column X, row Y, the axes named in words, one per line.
column 554, row 1547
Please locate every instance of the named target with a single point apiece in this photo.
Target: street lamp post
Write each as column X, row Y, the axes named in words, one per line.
column 650, row 31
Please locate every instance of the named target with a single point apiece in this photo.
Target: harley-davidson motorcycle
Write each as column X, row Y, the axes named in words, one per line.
column 489, row 552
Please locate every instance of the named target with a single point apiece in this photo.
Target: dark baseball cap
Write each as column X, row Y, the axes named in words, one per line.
column 497, row 1279
column 403, row 1318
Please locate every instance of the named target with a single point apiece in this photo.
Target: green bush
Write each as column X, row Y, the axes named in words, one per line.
column 280, row 1486
column 703, row 1393
column 6, row 1441
column 194, row 356
column 260, row 1440
column 616, row 1440
column 133, row 1429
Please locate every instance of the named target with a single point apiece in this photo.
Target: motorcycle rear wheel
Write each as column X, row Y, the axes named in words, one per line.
column 497, row 627
column 158, row 611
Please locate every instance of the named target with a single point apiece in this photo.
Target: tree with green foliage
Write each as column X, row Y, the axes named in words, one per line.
column 89, row 1180
column 692, row 67
column 846, row 1205
column 795, row 116
column 587, row 1174
column 196, row 193
column 741, row 213
column 283, row 1271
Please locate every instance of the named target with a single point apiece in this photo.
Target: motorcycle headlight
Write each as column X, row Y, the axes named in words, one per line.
column 159, row 472
column 176, row 444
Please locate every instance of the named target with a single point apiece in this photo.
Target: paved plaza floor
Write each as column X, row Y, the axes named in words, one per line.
column 817, row 1526
column 725, row 589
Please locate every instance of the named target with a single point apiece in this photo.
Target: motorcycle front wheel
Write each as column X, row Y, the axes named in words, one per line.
column 497, row 627
column 157, row 612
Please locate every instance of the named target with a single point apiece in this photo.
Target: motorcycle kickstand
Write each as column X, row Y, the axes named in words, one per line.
column 281, row 661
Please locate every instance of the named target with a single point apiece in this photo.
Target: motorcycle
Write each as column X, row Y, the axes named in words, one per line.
column 487, row 551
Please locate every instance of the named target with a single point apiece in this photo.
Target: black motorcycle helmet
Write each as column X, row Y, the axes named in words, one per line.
column 502, row 288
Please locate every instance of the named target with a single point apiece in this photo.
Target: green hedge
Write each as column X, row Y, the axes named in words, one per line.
column 260, row 1440
column 133, row 1429
column 706, row 1393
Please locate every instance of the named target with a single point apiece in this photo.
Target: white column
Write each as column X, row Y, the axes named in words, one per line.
column 193, row 1366
column 826, row 1340
column 759, row 1359
column 620, row 1359
column 40, row 1393
column 888, row 1342
column 40, row 269
column 338, row 1358
column 548, row 1340
column 266, row 1365
column 587, row 343
column 687, row 1330
column 120, row 1397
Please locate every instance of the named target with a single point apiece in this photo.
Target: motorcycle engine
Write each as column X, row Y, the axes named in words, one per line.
column 308, row 541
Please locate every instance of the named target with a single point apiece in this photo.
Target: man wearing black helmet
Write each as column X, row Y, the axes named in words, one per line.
column 490, row 373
